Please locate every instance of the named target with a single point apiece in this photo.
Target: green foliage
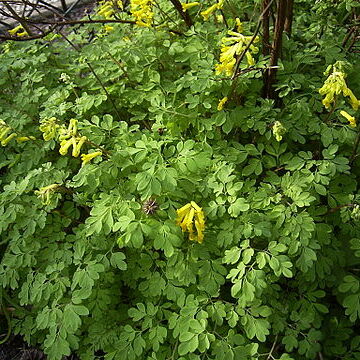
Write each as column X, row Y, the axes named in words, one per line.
column 97, row 270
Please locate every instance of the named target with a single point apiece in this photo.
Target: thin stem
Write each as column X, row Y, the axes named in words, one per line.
column 258, row 25
column 183, row 14
column 94, row 73
column 21, row 20
column 272, row 349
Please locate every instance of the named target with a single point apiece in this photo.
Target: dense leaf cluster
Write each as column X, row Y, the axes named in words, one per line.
column 96, row 272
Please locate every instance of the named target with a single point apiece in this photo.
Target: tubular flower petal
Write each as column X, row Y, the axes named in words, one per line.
column 18, row 31
column 351, row 119
column 65, row 145
column 206, row 13
column 239, row 25
column 4, row 132
column 108, row 28
column 189, row 215
column 8, row 139
column 189, row 5
column 21, row 139
column 222, row 102
column 72, row 129
column 354, row 102
column 181, row 213
column 88, row 157
column 77, row 148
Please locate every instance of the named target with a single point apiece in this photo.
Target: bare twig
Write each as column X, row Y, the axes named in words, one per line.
column 258, row 25
column 269, row 76
column 94, row 73
column 272, row 348
column 20, row 19
column 183, row 14
column 289, row 16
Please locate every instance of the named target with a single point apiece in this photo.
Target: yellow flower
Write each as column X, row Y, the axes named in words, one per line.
column 25, row 138
column 209, row 11
column 354, row 102
column 222, row 103
column 88, row 157
column 206, row 13
column 220, row 18
column 4, row 129
column 16, row 31
column 239, row 25
column 77, row 148
column 108, row 28
column 6, row 134
column 189, row 5
column 189, row 215
column 351, row 119
column 65, row 145
column 8, row 139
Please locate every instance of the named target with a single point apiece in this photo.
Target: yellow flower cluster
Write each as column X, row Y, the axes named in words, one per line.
column 334, row 85
column 351, row 119
column 142, row 11
column 234, row 45
column 187, row 6
column 108, row 8
column 18, row 31
column 209, row 11
column 49, row 128
column 189, row 215
column 68, row 137
column 222, row 102
column 7, row 134
column 44, row 193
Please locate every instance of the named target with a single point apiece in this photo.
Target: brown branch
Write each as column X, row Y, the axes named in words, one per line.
column 289, row 16
column 332, row 210
column 20, row 19
column 266, row 28
column 79, row 22
column 272, row 349
column 29, row 38
column 186, row 17
column 94, row 73
column 269, row 76
column 240, row 58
